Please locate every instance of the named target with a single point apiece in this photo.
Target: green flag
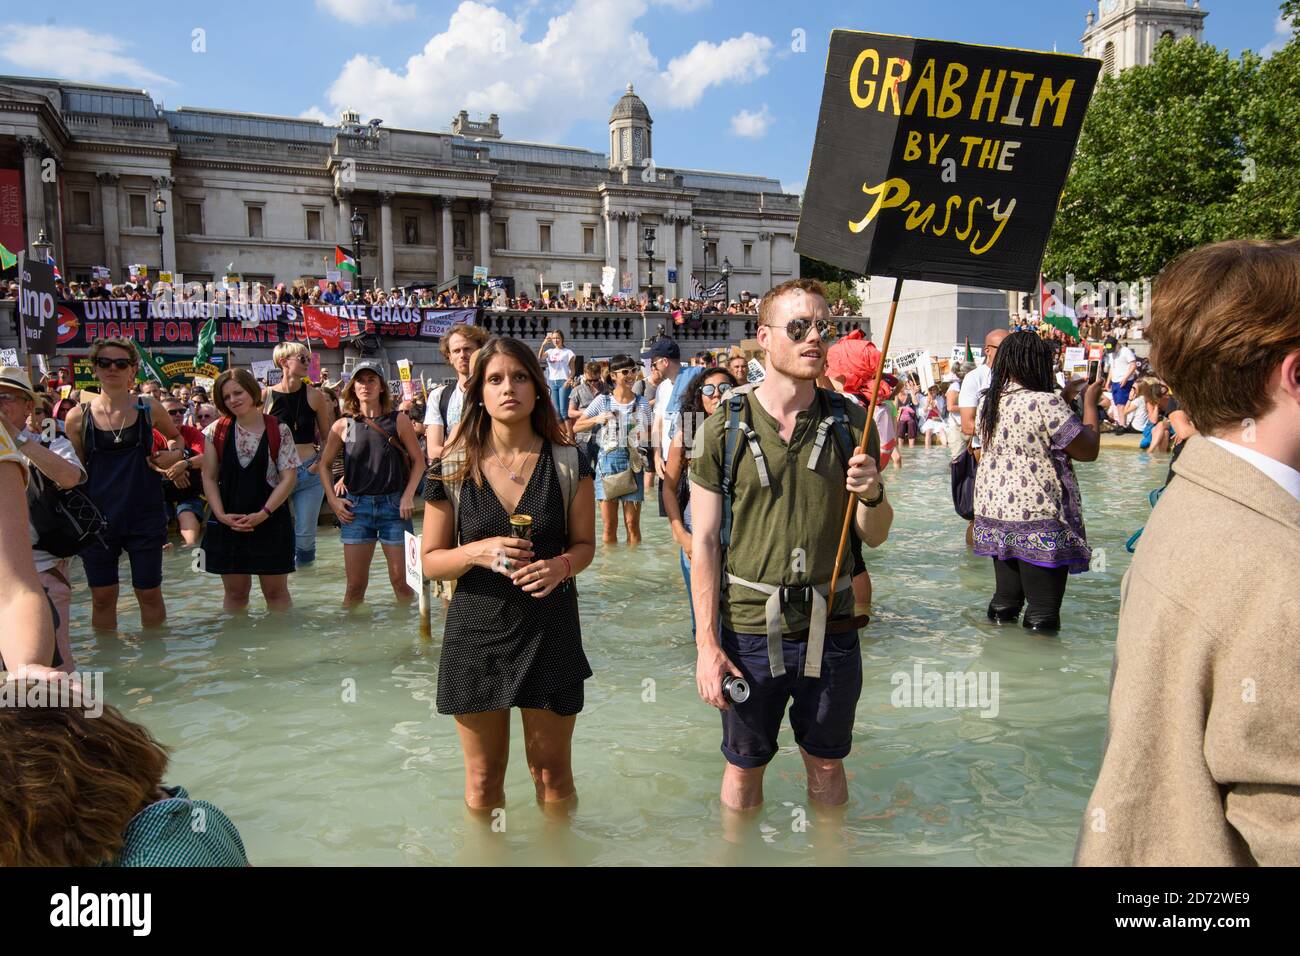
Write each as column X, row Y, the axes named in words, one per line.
column 207, row 342
column 7, row 258
column 970, row 356
column 153, row 365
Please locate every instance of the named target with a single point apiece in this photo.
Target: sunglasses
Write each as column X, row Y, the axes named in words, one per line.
column 797, row 329
column 176, row 412
column 119, row 364
column 624, row 371
column 708, row 391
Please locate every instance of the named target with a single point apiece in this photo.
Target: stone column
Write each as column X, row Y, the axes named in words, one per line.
column 485, row 234
column 163, row 184
column 448, row 254
column 611, row 239
column 633, row 251
column 668, row 236
column 386, row 238
column 765, row 260
column 688, row 256
column 343, row 231
column 108, row 197
column 33, row 190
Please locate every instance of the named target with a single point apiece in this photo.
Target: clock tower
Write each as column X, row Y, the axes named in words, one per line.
column 1124, row 33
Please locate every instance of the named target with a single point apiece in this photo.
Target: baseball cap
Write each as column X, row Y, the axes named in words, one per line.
column 665, row 348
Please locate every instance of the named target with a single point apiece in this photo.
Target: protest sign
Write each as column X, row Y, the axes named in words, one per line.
column 607, row 280
column 959, row 353
column 9, row 357
column 916, row 362
column 568, row 285
column 178, row 368
column 941, row 161
column 100, row 272
column 36, row 306
column 262, row 368
column 480, row 275
column 414, row 577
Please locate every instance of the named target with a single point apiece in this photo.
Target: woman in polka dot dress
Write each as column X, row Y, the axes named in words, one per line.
column 512, row 637
column 1028, row 514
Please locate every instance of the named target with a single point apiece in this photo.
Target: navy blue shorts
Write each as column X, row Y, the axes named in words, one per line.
column 144, row 552
column 823, row 708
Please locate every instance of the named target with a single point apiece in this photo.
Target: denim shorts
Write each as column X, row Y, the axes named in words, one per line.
column 195, row 506
column 822, row 709
column 377, row 518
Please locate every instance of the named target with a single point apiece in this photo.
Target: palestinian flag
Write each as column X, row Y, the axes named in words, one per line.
column 1059, row 315
column 344, row 261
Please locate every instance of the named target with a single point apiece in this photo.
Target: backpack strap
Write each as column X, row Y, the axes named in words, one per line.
column 272, row 425
column 444, row 404
column 87, row 420
column 736, row 401
column 219, row 436
column 836, row 423
column 566, row 469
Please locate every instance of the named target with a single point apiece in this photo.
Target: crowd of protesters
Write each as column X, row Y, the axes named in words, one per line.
column 517, row 456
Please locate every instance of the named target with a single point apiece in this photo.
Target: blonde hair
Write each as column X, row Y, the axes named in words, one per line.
column 287, row 350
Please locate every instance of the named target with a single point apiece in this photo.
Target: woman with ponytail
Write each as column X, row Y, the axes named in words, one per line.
column 1028, row 514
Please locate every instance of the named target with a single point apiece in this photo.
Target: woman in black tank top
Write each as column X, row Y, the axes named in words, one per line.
column 382, row 466
column 306, row 411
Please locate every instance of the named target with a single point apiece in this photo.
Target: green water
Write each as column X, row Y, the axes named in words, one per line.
column 254, row 709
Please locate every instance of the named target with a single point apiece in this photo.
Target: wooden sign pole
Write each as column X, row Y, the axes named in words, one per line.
column 866, row 433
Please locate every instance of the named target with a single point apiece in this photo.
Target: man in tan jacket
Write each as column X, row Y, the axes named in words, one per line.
column 1202, row 756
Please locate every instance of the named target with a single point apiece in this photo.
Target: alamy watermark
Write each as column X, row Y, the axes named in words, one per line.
column 83, row 690
column 951, row 689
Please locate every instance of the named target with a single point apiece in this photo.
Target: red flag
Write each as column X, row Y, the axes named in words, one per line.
column 322, row 325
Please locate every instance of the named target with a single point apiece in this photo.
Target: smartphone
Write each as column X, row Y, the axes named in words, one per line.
column 1094, row 369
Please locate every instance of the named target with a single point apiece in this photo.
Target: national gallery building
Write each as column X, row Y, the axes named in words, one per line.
column 113, row 180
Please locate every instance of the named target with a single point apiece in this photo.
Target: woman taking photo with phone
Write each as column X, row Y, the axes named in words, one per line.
column 623, row 418
column 250, row 466
column 382, row 465
column 702, row 399
column 112, row 435
column 510, row 516
column 308, row 414
column 561, row 370
column 1028, row 513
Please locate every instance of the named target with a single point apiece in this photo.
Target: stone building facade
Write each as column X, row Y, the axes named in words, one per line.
column 1124, row 33
column 269, row 197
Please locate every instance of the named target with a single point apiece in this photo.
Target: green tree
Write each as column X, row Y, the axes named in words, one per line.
column 843, row 290
column 1158, row 164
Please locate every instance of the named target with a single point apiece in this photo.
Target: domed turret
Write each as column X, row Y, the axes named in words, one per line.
column 629, row 131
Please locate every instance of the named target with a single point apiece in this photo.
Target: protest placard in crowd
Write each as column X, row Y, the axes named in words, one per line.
column 941, row 161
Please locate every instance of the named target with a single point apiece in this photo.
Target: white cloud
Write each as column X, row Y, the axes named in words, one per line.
column 74, row 53
column 1282, row 33
column 573, row 72
column 367, row 11
column 750, row 124
column 683, row 6
column 708, row 64
column 316, row 113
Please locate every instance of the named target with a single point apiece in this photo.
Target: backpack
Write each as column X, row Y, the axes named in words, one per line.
column 444, row 405
column 836, row 424
column 272, row 425
column 66, row 521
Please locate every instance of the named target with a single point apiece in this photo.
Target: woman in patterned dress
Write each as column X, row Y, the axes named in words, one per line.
column 1028, row 514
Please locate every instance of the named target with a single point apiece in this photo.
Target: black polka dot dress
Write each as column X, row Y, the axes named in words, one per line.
column 502, row 647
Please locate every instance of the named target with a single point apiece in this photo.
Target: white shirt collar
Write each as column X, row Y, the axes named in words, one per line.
column 1284, row 475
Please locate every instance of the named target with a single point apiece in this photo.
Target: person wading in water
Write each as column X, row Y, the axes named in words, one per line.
column 112, row 435
column 382, row 465
column 308, row 413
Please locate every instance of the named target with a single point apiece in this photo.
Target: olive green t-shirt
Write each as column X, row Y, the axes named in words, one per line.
column 785, row 534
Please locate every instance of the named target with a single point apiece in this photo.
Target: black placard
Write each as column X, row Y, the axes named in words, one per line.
column 893, row 188
column 37, row 306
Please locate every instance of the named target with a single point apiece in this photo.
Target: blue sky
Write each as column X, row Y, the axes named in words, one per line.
column 725, row 83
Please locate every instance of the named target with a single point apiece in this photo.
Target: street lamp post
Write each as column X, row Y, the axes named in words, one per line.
column 160, row 207
column 41, row 247
column 648, row 238
column 726, row 278
column 358, row 226
column 704, row 237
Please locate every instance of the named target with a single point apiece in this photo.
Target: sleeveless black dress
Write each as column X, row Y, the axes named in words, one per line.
column 268, row 548
column 502, row 647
